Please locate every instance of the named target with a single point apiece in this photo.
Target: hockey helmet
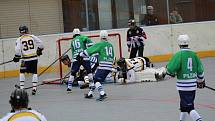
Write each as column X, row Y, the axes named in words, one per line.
column 183, row 39
column 66, row 61
column 131, row 22
column 103, row 34
column 23, row 29
column 121, row 62
column 19, row 99
column 76, row 31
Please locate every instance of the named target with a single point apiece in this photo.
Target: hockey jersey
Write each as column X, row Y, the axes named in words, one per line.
column 187, row 66
column 106, row 54
column 79, row 44
column 26, row 47
column 137, row 64
column 24, row 115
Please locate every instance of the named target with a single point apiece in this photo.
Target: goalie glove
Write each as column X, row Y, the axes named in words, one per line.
column 200, row 84
column 39, row 51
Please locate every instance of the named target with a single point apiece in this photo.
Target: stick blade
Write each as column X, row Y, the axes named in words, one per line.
column 51, row 80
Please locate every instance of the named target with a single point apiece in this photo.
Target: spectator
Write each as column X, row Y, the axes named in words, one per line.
column 175, row 17
column 20, row 111
column 135, row 39
column 150, row 19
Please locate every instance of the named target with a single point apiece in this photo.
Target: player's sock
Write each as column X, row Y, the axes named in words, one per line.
column 80, row 83
column 182, row 116
column 100, row 88
column 69, row 86
column 21, row 80
column 34, row 81
column 92, row 88
column 195, row 116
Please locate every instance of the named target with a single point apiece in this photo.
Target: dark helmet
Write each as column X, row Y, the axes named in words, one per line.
column 23, row 29
column 131, row 22
column 19, row 99
column 121, row 61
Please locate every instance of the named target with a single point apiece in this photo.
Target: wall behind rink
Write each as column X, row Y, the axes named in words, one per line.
column 160, row 45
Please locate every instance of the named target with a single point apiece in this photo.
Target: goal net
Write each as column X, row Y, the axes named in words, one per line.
column 63, row 45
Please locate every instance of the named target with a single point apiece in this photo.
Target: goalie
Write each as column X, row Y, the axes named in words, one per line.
column 137, row 69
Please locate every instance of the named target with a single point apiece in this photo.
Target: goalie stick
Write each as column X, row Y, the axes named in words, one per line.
column 6, row 62
column 45, row 82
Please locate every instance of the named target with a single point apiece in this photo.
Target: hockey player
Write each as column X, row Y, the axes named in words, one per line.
column 28, row 48
column 78, row 44
column 128, row 69
column 20, row 111
column 189, row 70
column 106, row 57
column 135, row 39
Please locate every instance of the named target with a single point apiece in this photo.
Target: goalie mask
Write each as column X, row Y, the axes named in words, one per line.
column 19, row 99
column 23, row 29
column 66, row 61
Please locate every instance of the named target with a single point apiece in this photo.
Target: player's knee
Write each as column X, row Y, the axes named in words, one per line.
column 186, row 109
column 96, row 79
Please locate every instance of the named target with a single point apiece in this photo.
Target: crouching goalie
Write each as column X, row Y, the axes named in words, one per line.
column 138, row 69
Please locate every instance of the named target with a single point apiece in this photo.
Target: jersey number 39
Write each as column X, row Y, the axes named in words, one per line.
column 29, row 44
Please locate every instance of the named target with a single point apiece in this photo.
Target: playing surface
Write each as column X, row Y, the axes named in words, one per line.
column 148, row 101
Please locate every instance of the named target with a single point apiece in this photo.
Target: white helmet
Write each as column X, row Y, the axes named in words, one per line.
column 76, row 31
column 103, row 34
column 183, row 39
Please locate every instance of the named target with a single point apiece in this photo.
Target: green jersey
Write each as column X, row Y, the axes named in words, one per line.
column 79, row 44
column 106, row 54
column 187, row 66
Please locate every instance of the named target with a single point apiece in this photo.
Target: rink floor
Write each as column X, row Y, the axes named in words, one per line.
column 147, row 101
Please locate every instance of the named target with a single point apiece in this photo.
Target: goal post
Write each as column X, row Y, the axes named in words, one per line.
column 63, row 44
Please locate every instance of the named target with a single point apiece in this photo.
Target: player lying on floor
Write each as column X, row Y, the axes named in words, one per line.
column 137, row 69
column 81, row 77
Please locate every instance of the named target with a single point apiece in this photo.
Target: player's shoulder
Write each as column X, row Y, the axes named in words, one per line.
column 39, row 114
column 6, row 117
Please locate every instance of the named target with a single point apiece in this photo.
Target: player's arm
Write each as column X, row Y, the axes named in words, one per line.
column 174, row 64
column 200, row 74
column 128, row 40
column 88, row 41
column 93, row 49
column 17, row 56
column 39, row 44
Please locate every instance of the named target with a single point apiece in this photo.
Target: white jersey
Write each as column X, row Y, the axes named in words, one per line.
column 26, row 47
column 137, row 64
column 24, row 115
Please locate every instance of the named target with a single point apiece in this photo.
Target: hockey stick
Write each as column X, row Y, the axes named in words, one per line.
column 210, row 88
column 6, row 62
column 45, row 82
column 53, row 63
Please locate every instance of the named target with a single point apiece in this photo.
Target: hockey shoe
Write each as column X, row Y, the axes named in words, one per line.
column 69, row 90
column 102, row 97
column 88, row 96
column 34, row 92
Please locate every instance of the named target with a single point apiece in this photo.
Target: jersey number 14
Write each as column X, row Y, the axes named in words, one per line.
column 109, row 51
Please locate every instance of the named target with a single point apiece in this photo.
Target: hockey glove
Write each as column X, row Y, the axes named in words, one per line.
column 16, row 58
column 79, row 58
column 39, row 51
column 201, row 84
